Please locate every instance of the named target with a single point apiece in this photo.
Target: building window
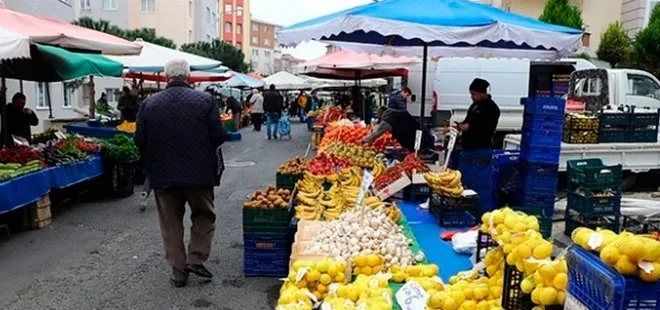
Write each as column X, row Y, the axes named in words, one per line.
column 41, row 95
column 239, row 28
column 148, row 6
column 228, row 27
column 255, row 27
column 239, row 46
column 255, row 40
column 113, row 94
column 266, row 29
column 228, row 9
column 255, row 52
column 109, row 4
column 266, row 42
column 239, row 10
column 85, row 5
column 68, row 95
column 267, row 54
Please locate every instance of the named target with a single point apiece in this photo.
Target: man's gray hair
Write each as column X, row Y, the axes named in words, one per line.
column 177, row 69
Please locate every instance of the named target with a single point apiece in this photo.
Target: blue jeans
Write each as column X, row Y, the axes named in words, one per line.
column 272, row 120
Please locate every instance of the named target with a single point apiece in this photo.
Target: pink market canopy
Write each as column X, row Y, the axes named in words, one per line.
column 351, row 65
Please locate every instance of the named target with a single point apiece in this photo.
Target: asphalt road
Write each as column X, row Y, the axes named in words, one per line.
column 108, row 255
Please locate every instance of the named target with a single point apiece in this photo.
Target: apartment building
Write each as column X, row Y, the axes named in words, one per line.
column 235, row 24
column 285, row 62
column 263, row 42
column 635, row 14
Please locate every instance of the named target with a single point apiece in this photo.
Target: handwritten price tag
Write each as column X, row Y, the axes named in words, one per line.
column 367, row 178
column 411, row 296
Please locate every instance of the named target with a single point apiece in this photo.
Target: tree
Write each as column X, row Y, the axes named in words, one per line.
column 219, row 50
column 646, row 49
column 615, row 45
column 655, row 14
column 146, row 34
column 560, row 12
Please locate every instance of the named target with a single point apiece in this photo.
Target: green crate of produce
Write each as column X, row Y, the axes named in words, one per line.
column 577, row 121
column 267, row 218
column 593, row 175
column 286, row 181
column 229, row 125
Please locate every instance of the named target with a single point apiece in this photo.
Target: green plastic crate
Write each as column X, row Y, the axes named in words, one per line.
column 266, row 217
column 286, row 181
column 592, row 175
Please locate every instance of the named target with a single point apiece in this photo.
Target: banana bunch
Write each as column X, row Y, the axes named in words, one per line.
column 333, row 205
column 391, row 210
column 349, row 177
column 310, row 188
column 447, row 183
column 379, row 168
column 350, row 194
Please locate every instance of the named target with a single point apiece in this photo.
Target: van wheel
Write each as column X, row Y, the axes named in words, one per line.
column 629, row 180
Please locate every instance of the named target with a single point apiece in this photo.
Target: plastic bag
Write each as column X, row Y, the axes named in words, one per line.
column 465, row 242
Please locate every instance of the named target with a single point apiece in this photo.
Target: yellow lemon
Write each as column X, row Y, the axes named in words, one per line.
column 366, row 270
column 373, row 260
column 360, row 261
column 543, row 250
column 548, row 296
column 527, row 286
column 625, row 266
column 312, row 276
column 322, row 266
column 332, row 270
column 435, row 301
column 560, row 281
column 340, row 277
column 325, row 279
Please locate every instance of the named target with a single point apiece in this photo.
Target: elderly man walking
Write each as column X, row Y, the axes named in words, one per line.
column 178, row 133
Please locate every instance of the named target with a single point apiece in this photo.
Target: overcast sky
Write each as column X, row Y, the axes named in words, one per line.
column 287, row 12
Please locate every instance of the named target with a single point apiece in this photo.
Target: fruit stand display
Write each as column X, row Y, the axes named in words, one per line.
column 289, row 172
column 120, row 155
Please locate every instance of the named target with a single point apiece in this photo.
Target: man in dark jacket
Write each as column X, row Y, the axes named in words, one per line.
column 403, row 128
column 478, row 128
column 19, row 119
column 273, row 104
column 178, row 133
column 128, row 105
column 399, row 99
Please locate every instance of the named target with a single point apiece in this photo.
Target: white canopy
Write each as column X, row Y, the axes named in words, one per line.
column 284, row 81
column 325, row 83
column 154, row 57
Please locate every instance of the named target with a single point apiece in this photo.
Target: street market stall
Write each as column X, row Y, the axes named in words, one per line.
column 286, row 81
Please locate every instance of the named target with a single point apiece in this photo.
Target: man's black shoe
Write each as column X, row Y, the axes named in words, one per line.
column 178, row 283
column 199, row 270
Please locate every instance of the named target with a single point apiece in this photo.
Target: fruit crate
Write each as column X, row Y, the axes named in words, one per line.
column 266, row 220
column 574, row 136
column 484, row 244
column 600, row 287
column 513, row 297
column 613, row 135
column 267, row 242
column 575, row 220
column 545, row 106
column 453, row 218
column 286, row 181
column 581, row 122
column 540, row 153
column 643, row 135
column 541, row 122
column 259, row 263
column 644, row 119
column 614, row 119
column 593, row 205
column 641, row 225
column 544, row 216
column 417, row 192
column 451, row 204
column 592, row 175
column 538, row 177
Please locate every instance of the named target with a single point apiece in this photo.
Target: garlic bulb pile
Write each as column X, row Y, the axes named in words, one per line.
column 345, row 238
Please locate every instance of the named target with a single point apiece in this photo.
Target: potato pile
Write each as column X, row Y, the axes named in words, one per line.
column 293, row 166
column 271, row 198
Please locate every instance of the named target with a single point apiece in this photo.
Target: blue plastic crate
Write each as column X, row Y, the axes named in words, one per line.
column 541, row 153
column 542, row 122
column 453, row 219
column 503, row 164
column 267, row 242
column 234, row 136
column 550, row 106
column 417, row 192
column 538, row 177
column 643, row 136
column 612, row 136
column 543, row 201
column 594, row 206
column 265, row 264
column 600, row 287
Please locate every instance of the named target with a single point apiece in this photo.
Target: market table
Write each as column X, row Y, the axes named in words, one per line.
column 95, row 132
column 67, row 175
column 24, row 190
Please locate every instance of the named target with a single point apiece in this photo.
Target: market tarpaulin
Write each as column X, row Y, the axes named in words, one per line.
column 18, row 31
column 154, row 57
column 352, row 65
column 284, row 80
column 240, row 80
column 449, row 28
column 54, row 64
column 195, row 77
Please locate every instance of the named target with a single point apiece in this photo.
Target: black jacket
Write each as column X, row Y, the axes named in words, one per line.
column 273, row 102
column 482, row 117
column 178, row 133
column 128, row 106
column 404, row 129
column 19, row 123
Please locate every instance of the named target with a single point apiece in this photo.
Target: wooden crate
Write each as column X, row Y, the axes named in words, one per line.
column 38, row 215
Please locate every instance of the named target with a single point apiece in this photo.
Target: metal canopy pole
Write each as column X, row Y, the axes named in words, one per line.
column 50, row 104
column 3, row 108
column 424, row 65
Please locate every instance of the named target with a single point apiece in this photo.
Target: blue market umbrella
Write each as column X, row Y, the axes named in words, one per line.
column 240, row 80
column 436, row 28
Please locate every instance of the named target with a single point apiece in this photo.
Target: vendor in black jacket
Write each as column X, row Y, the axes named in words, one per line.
column 403, row 127
column 20, row 118
column 479, row 125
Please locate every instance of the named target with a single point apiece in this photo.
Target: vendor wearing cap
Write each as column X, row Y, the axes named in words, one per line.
column 478, row 128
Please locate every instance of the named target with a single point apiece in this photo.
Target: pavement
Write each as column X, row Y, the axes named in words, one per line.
column 108, row 255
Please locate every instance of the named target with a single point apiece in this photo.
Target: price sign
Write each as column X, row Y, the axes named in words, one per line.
column 367, row 178
column 418, row 140
column 411, row 296
column 60, row 135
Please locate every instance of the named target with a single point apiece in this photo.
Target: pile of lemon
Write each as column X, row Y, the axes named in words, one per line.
column 368, row 264
column 527, row 255
column 316, row 277
column 494, row 261
column 400, row 275
column 507, row 226
column 366, row 292
column 468, row 291
column 548, row 284
column 628, row 253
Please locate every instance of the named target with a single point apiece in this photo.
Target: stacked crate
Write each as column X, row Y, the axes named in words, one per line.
column 581, row 128
column 643, row 128
column 539, row 158
column 267, row 242
column 477, row 175
column 593, row 194
column 629, row 127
